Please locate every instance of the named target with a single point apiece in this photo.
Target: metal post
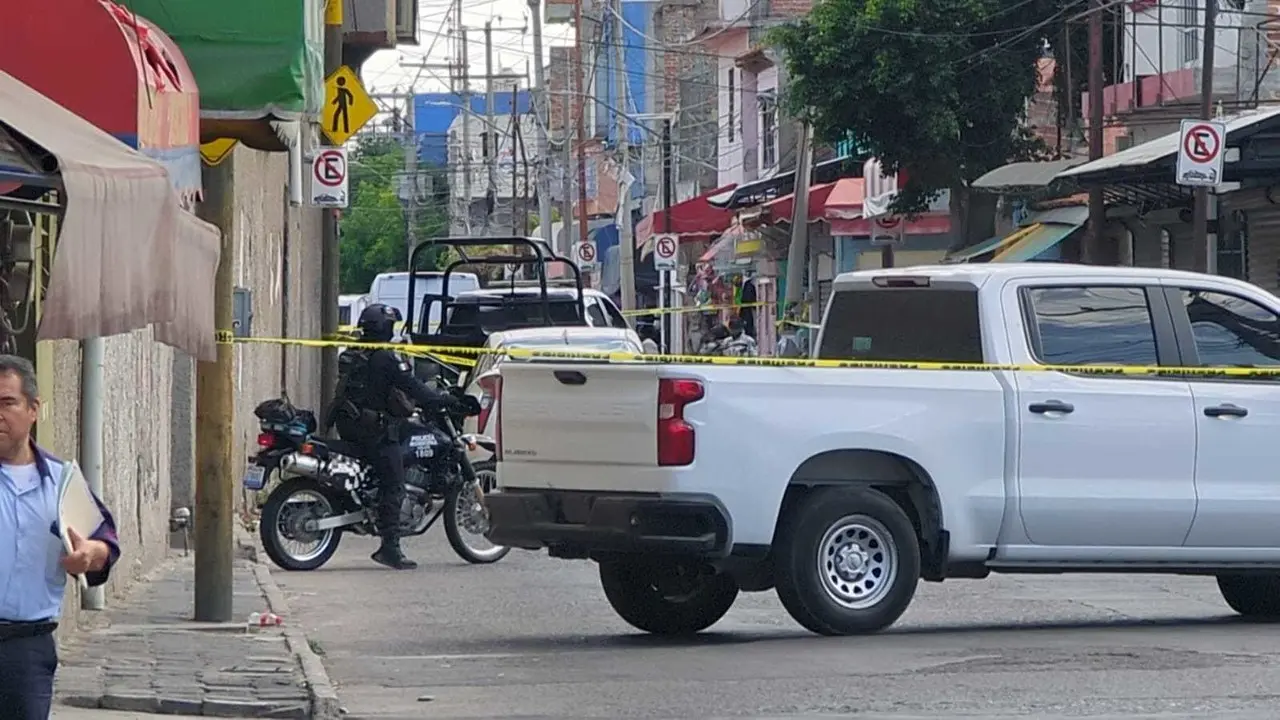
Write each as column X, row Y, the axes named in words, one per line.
column 1097, row 210
column 626, row 238
column 329, row 242
column 668, row 191
column 1205, row 251
column 582, row 122
column 542, row 115
column 566, row 180
column 92, row 386
column 491, row 126
column 215, row 406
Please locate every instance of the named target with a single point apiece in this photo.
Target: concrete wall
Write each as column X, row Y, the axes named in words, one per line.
column 150, row 430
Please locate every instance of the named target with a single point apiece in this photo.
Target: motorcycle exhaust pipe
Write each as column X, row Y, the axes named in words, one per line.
column 299, row 464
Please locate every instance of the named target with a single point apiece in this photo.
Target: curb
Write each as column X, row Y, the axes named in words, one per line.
column 324, row 698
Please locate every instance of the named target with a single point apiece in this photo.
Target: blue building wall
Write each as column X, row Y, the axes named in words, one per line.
column 433, row 113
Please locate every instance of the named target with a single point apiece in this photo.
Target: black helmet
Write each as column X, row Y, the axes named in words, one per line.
column 378, row 322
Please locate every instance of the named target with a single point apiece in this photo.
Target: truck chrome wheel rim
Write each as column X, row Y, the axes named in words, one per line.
column 857, row 561
column 473, row 518
column 296, row 510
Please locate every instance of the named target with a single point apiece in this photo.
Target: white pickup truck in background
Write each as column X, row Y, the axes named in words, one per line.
column 841, row 488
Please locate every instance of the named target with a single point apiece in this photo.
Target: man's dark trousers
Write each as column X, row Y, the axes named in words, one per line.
column 27, row 666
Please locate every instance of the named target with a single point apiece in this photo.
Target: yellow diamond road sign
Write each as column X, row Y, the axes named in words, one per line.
column 215, row 151
column 347, row 107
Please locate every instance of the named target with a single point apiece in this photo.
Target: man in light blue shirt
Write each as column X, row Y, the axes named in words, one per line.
column 33, row 562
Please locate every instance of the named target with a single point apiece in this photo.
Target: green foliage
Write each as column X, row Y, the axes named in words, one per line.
column 936, row 86
column 373, row 229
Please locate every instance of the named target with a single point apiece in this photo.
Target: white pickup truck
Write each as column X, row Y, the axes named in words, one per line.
column 843, row 487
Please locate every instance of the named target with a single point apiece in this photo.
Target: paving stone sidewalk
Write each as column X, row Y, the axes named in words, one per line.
column 148, row 656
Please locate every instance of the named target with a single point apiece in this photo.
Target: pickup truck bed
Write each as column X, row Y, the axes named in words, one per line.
column 842, row 488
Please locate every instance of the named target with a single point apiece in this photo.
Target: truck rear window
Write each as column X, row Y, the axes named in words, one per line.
column 922, row 324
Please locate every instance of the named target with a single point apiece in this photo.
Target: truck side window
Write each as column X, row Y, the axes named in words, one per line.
column 1102, row 325
column 1232, row 331
column 616, row 318
column 595, row 318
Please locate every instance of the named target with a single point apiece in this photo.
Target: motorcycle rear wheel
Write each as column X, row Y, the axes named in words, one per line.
column 281, row 524
column 454, row 504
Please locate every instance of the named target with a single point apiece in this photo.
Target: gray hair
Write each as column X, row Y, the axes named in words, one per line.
column 26, row 372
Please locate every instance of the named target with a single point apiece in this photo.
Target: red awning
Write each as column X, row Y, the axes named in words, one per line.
column 695, row 219
column 845, row 200
column 783, row 207
column 928, row 224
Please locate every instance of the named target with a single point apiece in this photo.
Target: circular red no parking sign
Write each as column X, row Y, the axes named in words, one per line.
column 1202, row 143
column 330, row 168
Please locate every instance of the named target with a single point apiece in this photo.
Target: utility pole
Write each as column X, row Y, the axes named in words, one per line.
column 582, row 122
column 542, row 116
column 411, row 177
column 329, row 232
column 626, row 238
column 566, row 180
column 799, row 220
column 1206, row 250
column 215, row 407
column 1097, row 210
column 490, row 133
column 466, row 133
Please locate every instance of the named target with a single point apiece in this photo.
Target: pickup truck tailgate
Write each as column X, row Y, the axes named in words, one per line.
column 564, row 424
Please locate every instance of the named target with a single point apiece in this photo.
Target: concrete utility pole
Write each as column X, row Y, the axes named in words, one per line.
column 566, row 181
column 1097, row 210
column 215, row 407
column 1205, row 255
column 626, row 238
column 799, row 220
column 490, row 134
column 542, row 120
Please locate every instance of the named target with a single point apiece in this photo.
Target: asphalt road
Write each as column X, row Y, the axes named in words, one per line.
column 533, row 637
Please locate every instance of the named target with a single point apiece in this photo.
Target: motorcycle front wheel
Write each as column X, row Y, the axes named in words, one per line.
column 281, row 527
column 465, row 519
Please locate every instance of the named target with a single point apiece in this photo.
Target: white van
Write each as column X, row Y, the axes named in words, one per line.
column 393, row 289
column 350, row 307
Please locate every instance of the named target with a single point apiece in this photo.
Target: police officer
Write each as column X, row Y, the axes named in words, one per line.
column 33, row 563
column 379, row 390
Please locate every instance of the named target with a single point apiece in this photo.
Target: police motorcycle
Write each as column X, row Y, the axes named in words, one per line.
column 328, row 489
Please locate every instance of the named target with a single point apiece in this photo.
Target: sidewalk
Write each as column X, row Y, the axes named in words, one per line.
column 144, row 654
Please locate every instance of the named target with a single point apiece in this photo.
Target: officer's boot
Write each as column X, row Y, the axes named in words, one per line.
column 390, row 554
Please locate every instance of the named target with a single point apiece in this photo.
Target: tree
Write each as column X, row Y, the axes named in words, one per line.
column 373, row 231
column 938, row 87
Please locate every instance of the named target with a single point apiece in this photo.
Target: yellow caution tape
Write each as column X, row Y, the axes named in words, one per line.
column 441, row 351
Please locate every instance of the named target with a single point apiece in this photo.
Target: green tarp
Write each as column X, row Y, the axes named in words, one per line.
column 251, row 58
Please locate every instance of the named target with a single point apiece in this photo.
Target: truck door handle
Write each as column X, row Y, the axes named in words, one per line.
column 570, row 377
column 1225, row 410
column 1051, row 406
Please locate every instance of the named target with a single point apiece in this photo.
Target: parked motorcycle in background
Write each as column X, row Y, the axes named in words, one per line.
column 327, row 488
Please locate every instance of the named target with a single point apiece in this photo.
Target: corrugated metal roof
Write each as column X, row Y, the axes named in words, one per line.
column 1165, row 147
column 1026, row 174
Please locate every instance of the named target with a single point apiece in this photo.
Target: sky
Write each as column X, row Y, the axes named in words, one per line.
column 512, row 42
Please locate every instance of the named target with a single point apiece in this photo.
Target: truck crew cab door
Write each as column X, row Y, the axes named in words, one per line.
column 1103, row 461
column 1238, row 418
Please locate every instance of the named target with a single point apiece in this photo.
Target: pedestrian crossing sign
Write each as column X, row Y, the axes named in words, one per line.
column 347, row 107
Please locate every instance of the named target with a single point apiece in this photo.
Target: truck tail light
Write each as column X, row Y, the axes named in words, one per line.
column 675, row 435
column 492, row 387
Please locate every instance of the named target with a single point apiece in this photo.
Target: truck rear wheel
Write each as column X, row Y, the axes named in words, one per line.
column 847, row 561
column 1256, row 596
column 667, row 598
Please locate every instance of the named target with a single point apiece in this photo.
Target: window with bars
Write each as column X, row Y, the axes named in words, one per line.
column 1233, row 247
column 1189, row 29
column 768, row 131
